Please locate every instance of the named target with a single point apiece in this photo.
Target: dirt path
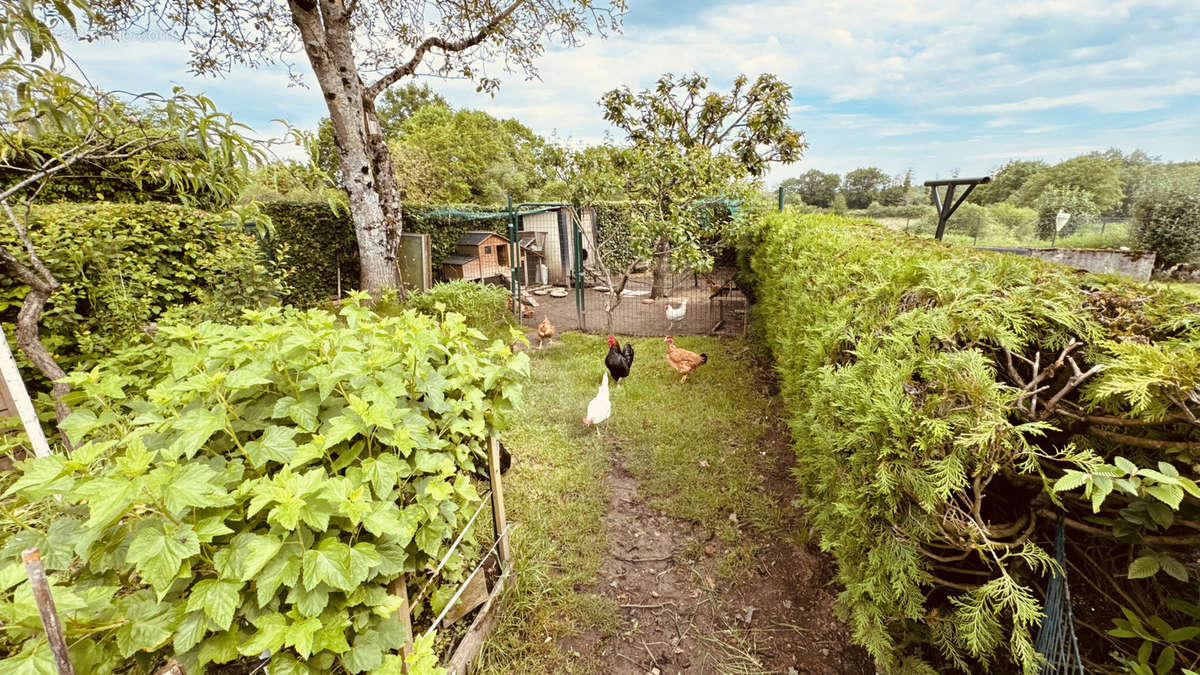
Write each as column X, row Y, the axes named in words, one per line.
column 676, row 616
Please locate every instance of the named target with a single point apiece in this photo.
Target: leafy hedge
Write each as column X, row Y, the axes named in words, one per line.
column 123, row 266
column 258, row 488
column 948, row 405
column 311, row 240
column 1167, row 220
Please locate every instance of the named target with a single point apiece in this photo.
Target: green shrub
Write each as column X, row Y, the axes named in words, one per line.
column 1014, row 221
column 1081, row 204
column 313, row 241
column 258, row 488
column 483, row 306
column 934, row 471
column 122, row 266
column 1167, row 221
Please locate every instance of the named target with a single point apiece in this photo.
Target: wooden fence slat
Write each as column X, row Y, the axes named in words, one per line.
column 499, row 522
column 400, row 589
column 468, row 648
column 45, row 604
column 20, row 399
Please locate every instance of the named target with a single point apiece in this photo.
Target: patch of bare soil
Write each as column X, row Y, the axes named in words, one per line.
column 677, row 616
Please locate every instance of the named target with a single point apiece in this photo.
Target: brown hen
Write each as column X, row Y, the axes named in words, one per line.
column 683, row 361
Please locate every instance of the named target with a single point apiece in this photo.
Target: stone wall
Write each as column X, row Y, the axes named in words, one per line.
column 1135, row 264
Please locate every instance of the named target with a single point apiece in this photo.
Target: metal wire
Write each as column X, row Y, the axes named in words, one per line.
column 1056, row 638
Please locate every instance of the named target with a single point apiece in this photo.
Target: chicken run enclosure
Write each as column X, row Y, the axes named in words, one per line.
column 690, row 303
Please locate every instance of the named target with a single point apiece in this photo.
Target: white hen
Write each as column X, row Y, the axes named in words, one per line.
column 600, row 407
column 676, row 314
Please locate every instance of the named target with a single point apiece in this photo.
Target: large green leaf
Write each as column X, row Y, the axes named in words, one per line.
column 217, row 598
column 328, row 562
column 275, row 444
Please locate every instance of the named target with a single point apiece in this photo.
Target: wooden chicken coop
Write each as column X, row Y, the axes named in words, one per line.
column 478, row 256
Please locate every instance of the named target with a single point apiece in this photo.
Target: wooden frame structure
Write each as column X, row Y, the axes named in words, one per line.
column 947, row 206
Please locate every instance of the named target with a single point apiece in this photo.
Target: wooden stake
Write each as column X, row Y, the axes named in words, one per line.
column 485, row 621
column 45, row 604
column 20, row 399
column 498, row 519
column 399, row 588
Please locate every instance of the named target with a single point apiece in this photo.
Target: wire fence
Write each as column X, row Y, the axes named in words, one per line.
column 692, row 304
column 1105, row 232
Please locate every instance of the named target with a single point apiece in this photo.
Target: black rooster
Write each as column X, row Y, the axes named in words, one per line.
column 505, row 461
column 619, row 360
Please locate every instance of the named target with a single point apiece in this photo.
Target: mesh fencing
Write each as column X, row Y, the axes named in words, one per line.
column 694, row 304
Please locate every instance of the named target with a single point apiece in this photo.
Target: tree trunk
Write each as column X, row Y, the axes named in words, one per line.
column 662, row 265
column 390, row 199
column 30, row 342
column 365, row 166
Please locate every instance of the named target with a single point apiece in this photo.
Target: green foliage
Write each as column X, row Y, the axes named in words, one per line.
column 1167, row 221
column 1010, row 219
column 860, row 187
column 971, row 220
column 395, row 105
column 484, row 307
column 123, row 266
column 1162, row 645
column 312, row 241
column 839, row 205
column 1005, row 182
column 1084, row 174
column 907, row 414
column 258, row 487
column 474, row 157
column 613, row 223
column 689, row 146
column 1081, row 204
column 814, row 187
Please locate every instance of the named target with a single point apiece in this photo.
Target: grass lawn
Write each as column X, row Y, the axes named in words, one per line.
column 694, row 448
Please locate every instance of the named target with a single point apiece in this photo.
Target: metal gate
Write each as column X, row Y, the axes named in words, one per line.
column 577, row 254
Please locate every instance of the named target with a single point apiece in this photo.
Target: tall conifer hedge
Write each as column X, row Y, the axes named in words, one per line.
column 948, row 405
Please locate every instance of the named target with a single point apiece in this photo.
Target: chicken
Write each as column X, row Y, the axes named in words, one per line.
column 619, row 360
column 718, row 290
column 676, row 314
column 545, row 330
column 505, row 461
column 683, row 361
column 600, row 408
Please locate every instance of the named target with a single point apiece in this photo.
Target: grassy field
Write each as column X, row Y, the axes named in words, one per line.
column 693, row 446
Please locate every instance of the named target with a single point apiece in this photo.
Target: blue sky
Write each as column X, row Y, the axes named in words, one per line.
column 935, row 85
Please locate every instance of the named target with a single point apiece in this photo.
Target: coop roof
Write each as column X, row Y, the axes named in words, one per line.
column 459, row 259
column 475, row 238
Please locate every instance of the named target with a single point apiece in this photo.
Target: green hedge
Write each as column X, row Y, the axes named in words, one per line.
column 311, row 241
column 1166, row 220
column 934, row 482
column 123, row 266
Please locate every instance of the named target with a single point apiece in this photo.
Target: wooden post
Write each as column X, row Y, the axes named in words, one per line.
column 45, row 604
column 20, row 399
column 400, row 589
column 498, row 518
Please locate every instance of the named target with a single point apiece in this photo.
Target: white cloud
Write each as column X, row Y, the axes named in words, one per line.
column 904, row 83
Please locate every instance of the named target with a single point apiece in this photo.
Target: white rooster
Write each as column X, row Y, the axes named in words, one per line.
column 599, row 408
column 675, row 314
